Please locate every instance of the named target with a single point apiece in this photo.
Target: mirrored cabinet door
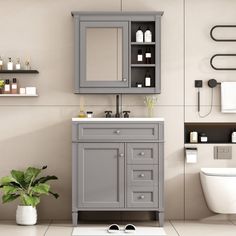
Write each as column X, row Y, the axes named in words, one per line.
column 103, row 54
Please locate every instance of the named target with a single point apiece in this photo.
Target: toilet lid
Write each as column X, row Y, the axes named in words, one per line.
column 219, row 171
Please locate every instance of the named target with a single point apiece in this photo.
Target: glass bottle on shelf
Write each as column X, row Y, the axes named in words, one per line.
column 1, row 63
column 10, row 64
column 148, row 36
column 27, row 65
column 139, row 35
column 7, row 88
column 140, row 56
column 147, row 79
column 14, row 86
column 148, row 56
column 18, row 65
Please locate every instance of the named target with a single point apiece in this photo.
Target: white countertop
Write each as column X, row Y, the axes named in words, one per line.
column 119, row 119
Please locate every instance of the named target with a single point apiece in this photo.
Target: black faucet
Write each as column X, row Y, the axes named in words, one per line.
column 117, row 106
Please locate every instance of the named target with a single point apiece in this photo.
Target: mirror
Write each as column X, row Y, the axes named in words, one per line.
column 104, row 54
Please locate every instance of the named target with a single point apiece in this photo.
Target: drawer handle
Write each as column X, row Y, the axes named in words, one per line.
column 117, row 131
column 141, row 153
column 142, row 197
column 124, row 79
column 141, row 175
column 121, row 154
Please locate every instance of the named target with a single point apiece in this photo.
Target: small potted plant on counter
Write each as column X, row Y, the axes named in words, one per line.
column 28, row 186
column 1, row 86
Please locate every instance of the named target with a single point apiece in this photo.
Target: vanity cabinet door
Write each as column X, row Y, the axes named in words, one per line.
column 103, row 54
column 101, row 175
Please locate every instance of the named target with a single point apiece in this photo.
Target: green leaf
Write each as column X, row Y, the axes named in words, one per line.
column 31, row 200
column 18, row 176
column 9, row 197
column 44, row 179
column 31, row 173
column 56, row 195
column 9, row 189
column 41, row 189
column 7, row 180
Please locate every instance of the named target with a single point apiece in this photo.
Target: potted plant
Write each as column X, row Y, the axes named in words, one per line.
column 28, row 186
column 1, row 86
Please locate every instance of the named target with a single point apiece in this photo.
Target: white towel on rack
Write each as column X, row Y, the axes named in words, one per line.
column 228, row 97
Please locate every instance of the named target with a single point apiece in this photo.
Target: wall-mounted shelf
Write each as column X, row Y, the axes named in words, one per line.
column 18, row 95
column 19, row 71
column 216, row 132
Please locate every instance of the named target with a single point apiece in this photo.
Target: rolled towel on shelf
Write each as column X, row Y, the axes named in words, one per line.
column 228, row 97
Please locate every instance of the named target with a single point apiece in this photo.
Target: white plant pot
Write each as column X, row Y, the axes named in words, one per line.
column 26, row 215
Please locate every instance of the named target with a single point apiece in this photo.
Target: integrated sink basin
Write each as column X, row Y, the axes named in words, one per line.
column 102, row 119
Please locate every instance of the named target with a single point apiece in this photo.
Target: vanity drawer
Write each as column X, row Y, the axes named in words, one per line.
column 142, row 153
column 136, row 131
column 142, row 197
column 142, row 175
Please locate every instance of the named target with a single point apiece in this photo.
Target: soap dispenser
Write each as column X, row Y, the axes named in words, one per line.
column 139, row 35
column 148, row 36
column 233, row 136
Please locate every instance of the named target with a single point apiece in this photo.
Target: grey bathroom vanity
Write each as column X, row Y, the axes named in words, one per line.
column 118, row 165
column 106, row 52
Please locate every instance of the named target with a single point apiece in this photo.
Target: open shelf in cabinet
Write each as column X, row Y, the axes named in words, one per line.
column 142, row 44
column 143, row 65
column 139, row 70
column 138, row 75
column 216, row 132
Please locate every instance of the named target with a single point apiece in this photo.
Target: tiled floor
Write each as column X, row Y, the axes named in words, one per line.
column 172, row 228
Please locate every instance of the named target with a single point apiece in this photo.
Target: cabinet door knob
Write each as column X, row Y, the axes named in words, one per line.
column 142, row 175
column 124, row 79
column 117, row 131
column 142, row 197
column 121, row 154
column 142, row 153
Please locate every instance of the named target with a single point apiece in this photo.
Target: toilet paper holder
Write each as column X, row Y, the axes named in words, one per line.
column 191, row 154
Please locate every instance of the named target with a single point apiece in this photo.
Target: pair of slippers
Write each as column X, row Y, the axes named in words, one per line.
column 114, row 228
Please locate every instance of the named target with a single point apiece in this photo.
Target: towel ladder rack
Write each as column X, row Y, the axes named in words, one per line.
column 221, row 55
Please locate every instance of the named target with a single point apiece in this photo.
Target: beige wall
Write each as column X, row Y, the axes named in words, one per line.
column 37, row 131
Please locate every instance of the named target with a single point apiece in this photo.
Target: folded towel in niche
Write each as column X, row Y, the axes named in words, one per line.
column 228, row 97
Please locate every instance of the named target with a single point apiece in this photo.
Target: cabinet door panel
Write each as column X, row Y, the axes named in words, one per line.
column 104, row 54
column 101, row 175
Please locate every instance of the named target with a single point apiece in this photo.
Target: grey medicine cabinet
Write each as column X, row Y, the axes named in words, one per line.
column 106, row 52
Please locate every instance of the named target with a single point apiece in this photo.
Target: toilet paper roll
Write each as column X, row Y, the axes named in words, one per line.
column 191, row 155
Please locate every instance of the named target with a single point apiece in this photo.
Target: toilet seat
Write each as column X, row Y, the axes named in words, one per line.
column 230, row 172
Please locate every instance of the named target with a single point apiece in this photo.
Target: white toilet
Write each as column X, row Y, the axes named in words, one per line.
column 219, row 187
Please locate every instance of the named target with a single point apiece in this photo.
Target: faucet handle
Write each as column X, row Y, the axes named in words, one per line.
column 108, row 114
column 126, row 114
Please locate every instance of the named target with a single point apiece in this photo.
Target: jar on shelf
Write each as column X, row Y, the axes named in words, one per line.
column 203, row 138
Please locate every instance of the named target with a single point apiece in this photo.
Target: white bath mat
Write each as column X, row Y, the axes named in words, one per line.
column 102, row 231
